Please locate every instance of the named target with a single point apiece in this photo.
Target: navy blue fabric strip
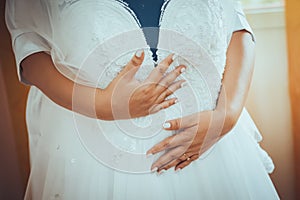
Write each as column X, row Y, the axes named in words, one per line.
column 148, row 12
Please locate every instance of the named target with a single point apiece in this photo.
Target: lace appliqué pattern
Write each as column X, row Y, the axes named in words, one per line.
column 201, row 22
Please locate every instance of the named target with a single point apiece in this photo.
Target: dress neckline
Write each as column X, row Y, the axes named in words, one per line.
column 150, row 34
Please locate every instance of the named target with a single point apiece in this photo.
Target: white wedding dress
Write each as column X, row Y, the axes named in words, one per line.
column 76, row 157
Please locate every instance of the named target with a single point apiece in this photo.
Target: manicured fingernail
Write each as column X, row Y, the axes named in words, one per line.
column 174, row 57
column 149, row 155
column 183, row 84
column 176, row 101
column 139, row 53
column 182, row 70
column 161, row 172
column 167, row 125
column 154, row 169
column 177, row 170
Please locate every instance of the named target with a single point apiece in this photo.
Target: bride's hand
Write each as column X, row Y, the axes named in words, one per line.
column 197, row 133
column 125, row 97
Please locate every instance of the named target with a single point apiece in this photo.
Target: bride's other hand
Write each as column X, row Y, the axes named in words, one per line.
column 126, row 97
column 197, row 133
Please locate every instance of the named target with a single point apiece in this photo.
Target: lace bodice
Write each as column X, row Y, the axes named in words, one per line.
column 107, row 33
column 95, row 39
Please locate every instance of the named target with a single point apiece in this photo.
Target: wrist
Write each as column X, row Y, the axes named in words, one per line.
column 103, row 105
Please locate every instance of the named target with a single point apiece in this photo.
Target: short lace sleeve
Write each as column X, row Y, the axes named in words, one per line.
column 27, row 23
column 241, row 22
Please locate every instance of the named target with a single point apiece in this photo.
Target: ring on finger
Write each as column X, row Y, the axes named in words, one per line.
column 186, row 157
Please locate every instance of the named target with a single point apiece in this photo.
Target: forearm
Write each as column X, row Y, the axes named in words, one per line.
column 236, row 80
column 123, row 98
column 39, row 70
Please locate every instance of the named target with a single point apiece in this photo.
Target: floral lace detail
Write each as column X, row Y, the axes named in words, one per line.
column 98, row 30
column 116, row 66
column 201, row 22
column 218, row 46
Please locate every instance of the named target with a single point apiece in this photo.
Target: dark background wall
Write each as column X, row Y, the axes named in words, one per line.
column 14, row 161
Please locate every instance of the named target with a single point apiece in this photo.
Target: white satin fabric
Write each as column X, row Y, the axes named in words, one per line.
column 75, row 157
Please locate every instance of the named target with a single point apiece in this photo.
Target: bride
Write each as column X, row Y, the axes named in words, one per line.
column 115, row 113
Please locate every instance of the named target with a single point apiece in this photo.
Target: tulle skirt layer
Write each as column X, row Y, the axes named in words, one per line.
column 62, row 167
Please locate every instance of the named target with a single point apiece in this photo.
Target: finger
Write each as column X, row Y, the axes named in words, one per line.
column 165, row 104
column 169, row 165
column 167, row 157
column 133, row 65
column 168, row 79
column 184, row 122
column 159, row 71
column 185, row 163
column 161, row 146
column 173, row 163
column 169, row 143
column 172, row 88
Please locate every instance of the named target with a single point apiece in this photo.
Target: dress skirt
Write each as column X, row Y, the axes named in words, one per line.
column 63, row 167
